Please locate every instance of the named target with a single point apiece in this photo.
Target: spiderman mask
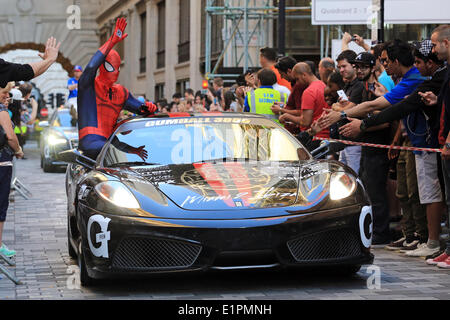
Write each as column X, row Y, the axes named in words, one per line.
column 109, row 70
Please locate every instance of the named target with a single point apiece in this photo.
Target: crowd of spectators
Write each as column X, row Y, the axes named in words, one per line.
column 391, row 94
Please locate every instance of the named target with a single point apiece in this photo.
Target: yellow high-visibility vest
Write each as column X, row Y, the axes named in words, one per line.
column 262, row 99
column 20, row 130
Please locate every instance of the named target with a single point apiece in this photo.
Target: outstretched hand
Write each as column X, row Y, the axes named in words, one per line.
column 328, row 118
column 141, row 152
column 119, row 31
column 51, row 50
column 351, row 129
column 429, row 98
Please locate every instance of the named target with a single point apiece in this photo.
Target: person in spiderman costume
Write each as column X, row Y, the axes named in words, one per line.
column 100, row 99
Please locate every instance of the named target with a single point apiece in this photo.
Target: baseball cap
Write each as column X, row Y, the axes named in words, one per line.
column 424, row 50
column 78, row 68
column 16, row 94
column 365, row 58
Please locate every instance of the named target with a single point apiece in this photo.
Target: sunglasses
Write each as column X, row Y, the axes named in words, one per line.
column 361, row 67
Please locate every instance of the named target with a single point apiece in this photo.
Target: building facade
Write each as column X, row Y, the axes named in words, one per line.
column 162, row 51
column 165, row 50
column 27, row 24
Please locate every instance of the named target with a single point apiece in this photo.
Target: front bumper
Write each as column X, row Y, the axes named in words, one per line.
column 119, row 245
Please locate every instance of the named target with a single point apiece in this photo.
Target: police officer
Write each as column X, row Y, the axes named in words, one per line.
column 265, row 96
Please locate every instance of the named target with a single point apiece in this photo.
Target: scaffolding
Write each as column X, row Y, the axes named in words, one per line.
column 255, row 17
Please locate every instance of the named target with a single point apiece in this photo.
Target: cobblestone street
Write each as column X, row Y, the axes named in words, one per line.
column 37, row 230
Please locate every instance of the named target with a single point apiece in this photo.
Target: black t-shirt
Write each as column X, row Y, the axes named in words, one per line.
column 381, row 136
column 14, row 72
column 354, row 90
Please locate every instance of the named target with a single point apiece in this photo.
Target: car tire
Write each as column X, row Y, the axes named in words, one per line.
column 42, row 161
column 70, row 249
column 47, row 167
column 85, row 279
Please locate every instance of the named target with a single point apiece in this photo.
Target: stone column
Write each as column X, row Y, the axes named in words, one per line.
column 195, row 46
column 152, row 47
column 172, row 36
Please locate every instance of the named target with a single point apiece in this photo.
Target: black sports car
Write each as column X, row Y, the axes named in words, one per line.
column 60, row 134
column 191, row 192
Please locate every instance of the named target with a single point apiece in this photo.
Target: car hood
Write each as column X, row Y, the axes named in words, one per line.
column 237, row 185
column 68, row 132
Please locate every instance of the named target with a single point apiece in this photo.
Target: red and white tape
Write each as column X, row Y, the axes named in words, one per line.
column 382, row 146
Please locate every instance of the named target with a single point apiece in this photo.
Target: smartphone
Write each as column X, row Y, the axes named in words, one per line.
column 342, row 95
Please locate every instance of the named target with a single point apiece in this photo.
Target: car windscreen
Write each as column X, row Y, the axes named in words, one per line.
column 63, row 119
column 184, row 141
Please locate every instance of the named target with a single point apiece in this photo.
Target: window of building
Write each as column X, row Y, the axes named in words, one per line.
column 185, row 29
column 216, row 29
column 300, row 34
column 143, row 53
column 161, row 53
column 159, row 91
column 182, row 85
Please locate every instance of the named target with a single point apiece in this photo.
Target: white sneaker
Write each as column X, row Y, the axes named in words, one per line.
column 422, row 251
column 408, row 247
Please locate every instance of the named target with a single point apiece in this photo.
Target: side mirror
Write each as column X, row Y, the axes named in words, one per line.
column 74, row 156
column 326, row 148
column 44, row 124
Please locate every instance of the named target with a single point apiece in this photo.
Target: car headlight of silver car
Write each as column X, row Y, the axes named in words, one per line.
column 342, row 185
column 54, row 139
column 118, row 194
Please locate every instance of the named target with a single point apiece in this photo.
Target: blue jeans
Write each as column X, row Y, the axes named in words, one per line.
column 446, row 174
column 351, row 156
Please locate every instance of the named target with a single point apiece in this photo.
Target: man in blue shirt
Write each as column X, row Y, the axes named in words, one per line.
column 403, row 67
column 72, row 85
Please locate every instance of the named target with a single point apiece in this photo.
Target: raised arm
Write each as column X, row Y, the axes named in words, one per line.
column 90, row 72
column 48, row 57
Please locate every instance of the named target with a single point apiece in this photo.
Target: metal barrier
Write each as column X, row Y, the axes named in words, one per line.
column 5, row 270
column 17, row 185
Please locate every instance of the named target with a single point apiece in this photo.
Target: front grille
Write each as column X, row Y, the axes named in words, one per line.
column 325, row 245
column 153, row 254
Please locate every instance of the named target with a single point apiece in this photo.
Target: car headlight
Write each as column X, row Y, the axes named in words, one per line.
column 342, row 185
column 54, row 140
column 118, row 194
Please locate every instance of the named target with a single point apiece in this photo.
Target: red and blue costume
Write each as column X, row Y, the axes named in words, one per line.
column 100, row 99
